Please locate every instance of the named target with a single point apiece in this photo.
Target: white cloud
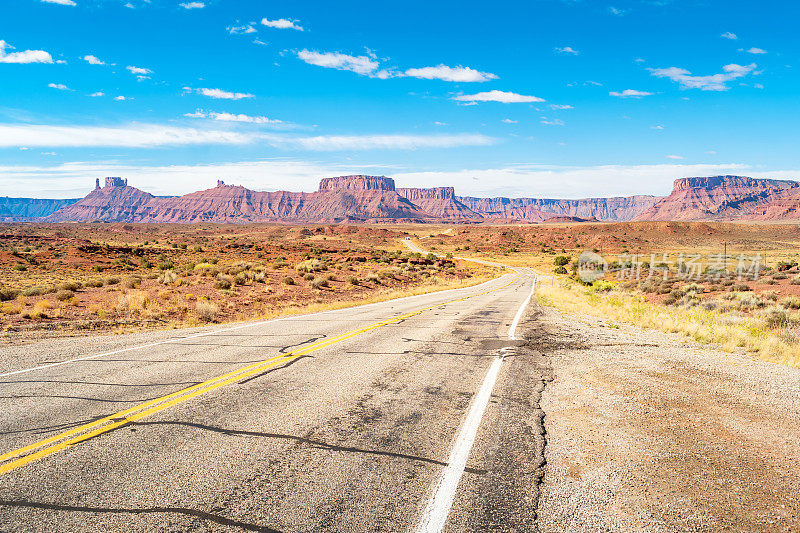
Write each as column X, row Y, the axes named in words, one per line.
column 445, row 73
column 617, row 11
column 729, row 35
column 756, row 51
column 151, row 135
column 758, row 85
column 714, row 82
column 498, row 96
column 139, row 71
column 229, row 117
column 509, row 121
column 25, row 56
column 61, row 2
column 131, row 136
column 224, row 95
column 363, row 65
column 657, row 127
column 630, row 93
column 98, row 93
column 567, row 50
column 674, row 157
column 93, row 60
column 120, row 98
column 59, row 86
column 282, row 24
column 379, row 142
column 239, row 30
column 552, row 122
column 561, row 106
column 193, row 5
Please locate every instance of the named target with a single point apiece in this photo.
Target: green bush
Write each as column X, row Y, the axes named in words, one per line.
column 561, row 260
column 560, row 270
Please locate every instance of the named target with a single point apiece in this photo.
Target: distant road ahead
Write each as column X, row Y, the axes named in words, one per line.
column 385, row 417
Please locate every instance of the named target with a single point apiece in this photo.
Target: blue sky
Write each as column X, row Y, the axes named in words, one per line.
column 539, row 98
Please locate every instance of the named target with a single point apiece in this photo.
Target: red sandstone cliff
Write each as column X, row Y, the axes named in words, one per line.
column 439, row 202
column 717, row 198
column 615, row 209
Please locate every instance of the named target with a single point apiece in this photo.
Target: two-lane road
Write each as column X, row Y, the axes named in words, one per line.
column 374, row 418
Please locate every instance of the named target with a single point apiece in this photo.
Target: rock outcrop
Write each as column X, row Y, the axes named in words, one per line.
column 22, row 209
column 439, row 202
column 717, row 198
column 615, row 209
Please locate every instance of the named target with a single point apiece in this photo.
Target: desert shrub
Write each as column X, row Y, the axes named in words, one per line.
column 602, row 285
column 19, row 267
column 40, row 309
column 670, row 300
column 750, row 301
column 223, row 282
column 770, row 295
column 69, row 286
column 561, row 260
column 727, row 282
column 311, row 265
column 7, row 293
column 560, row 270
column 308, row 277
column 352, row 280
column 134, row 301
column 288, row 280
column 240, row 278
column 776, row 317
column 206, row 310
column 740, row 288
column 779, row 275
column 64, row 295
column 131, row 282
column 166, row 265
column 112, row 280
column 791, row 302
column 168, row 277
column 372, row 278
column 36, row 290
column 94, row 283
column 795, row 281
column 385, row 273
column 318, row 283
column 767, row 281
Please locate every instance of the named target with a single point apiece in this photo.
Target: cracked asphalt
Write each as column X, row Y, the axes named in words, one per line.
column 349, row 437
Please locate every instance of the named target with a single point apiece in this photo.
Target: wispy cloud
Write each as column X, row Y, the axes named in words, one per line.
column 25, row 56
column 364, row 65
column 509, row 121
column 381, row 142
column 729, row 35
column 498, row 96
column 566, row 50
column 617, row 11
column 630, row 93
column 445, row 73
column 674, row 157
column 757, row 51
column 120, row 98
column 221, row 94
column 230, row 117
column 97, row 94
column 713, row 82
column 552, row 122
column 139, row 71
column 59, row 86
column 281, row 24
column 61, row 2
column 93, row 60
column 559, row 107
column 243, row 29
column 193, row 5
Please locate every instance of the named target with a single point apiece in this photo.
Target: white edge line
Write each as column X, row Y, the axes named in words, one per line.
column 438, row 507
column 216, row 331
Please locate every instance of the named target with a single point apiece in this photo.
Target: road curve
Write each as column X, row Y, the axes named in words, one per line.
column 347, row 420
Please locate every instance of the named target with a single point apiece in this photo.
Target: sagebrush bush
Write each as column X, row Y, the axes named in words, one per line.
column 206, row 310
column 64, row 295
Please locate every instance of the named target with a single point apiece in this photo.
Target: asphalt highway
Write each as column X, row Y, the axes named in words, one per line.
column 417, row 414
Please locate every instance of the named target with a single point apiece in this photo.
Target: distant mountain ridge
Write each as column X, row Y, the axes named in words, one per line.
column 361, row 198
column 20, row 209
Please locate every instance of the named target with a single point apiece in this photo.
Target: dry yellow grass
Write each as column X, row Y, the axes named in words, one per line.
column 729, row 329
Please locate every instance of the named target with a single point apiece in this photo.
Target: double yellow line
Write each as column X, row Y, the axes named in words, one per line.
column 28, row 454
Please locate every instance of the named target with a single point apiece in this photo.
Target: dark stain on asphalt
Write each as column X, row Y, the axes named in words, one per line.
column 281, row 367
column 197, row 513
column 313, row 443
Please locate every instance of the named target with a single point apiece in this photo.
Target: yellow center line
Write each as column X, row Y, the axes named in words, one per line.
column 90, row 430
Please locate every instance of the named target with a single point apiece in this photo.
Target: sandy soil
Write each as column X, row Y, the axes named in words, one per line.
column 647, row 432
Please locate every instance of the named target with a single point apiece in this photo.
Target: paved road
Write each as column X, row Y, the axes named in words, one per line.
column 396, row 416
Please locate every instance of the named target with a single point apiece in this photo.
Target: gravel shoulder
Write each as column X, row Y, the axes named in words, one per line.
column 648, row 432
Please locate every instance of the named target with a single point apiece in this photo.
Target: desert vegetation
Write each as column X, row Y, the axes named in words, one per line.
column 122, row 277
